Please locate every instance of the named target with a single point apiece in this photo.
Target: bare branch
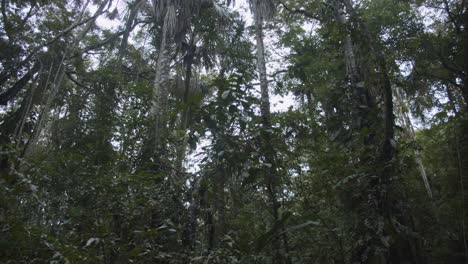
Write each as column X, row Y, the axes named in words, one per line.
column 277, row 72
column 451, row 17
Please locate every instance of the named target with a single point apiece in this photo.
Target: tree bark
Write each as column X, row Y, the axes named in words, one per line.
column 25, row 113
column 271, row 180
column 354, row 75
column 261, row 66
column 186, row 113
column 57, row 82
column 383, row 206
column 159, row 103
column 409, row 131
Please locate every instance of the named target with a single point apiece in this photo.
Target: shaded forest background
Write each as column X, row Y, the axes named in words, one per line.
column 153, row 141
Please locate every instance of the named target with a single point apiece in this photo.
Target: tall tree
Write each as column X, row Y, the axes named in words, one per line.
column 264, row 10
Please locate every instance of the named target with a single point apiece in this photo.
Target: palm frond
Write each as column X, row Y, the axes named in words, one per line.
column 221, row 10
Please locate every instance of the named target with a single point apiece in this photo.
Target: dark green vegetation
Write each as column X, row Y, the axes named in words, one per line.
column 154, row 141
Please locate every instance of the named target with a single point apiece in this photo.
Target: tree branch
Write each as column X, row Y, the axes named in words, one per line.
column 277, row 72
column 14, row 90
column 299, row 11
column 6, row 76
column 451, row 17
column 29, row 14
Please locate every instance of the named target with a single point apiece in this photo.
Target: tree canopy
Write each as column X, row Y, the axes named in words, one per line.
column 137, row 131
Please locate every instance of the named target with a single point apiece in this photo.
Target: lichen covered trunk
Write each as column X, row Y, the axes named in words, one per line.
column 261, row 66
column 159, row 102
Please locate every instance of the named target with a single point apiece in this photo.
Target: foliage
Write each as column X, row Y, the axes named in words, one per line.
column 149, row 141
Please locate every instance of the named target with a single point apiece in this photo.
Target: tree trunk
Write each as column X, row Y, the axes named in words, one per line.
column 158, row 99
column 18, row 133
column 363, row 103
column 44, row 116
column 57, row 82
column 159, row 103
column 381, row 187
column 261, row 66
column 271, row 180
column 409, row 131
column 194, row 195
column 186, row 113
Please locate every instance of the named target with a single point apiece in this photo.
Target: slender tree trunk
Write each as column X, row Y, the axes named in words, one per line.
column 186, row 114
column 464, row 37
column 24, row 115
column 271, row 180
column 194, row 207
column 354, row 75
column 261, row 66
column 310, row 103
column 409, row 131
column 44, row 116
column 57, row 82
column 159, row 103
column 220, row 202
